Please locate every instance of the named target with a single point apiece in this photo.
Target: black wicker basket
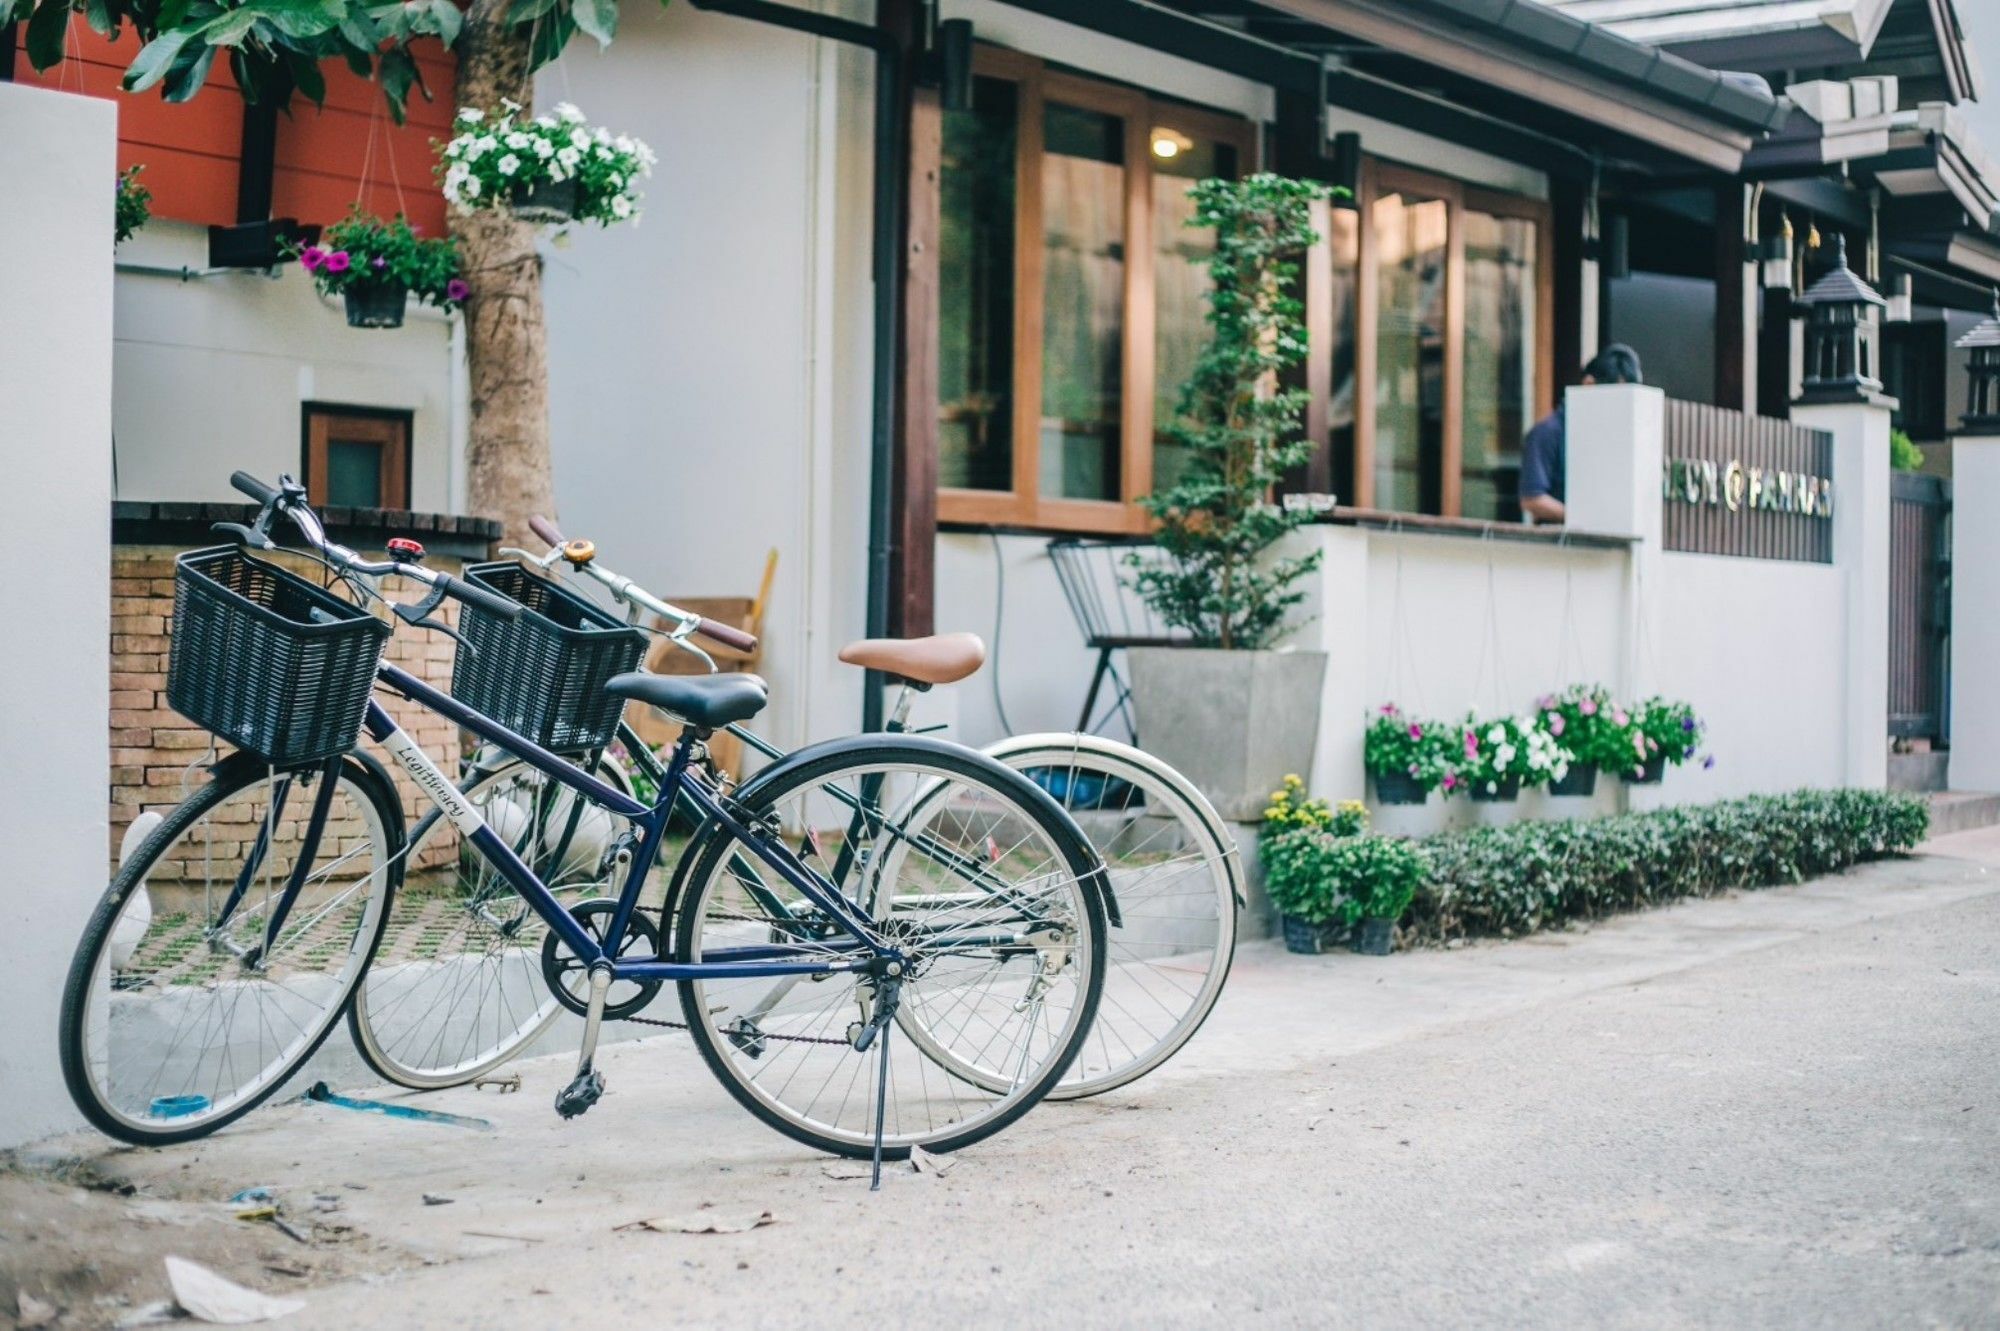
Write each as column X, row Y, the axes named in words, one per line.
column 542, row 675
column 266, row 660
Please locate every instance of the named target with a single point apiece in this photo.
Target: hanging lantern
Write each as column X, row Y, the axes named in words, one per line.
column 1777, row 258
column 1902, row 301
column 1841, row 312
column 1982, row 394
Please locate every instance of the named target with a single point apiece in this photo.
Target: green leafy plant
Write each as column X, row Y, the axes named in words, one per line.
column 1508, row 748
column 1323, row 878
column 1290, row 809
column 494, row 156
column 1581, row 718
column 1237, row 429
column 1904, row 455
column 364, row 251
column 1664, row 729
column 1397, row 744
column 1513, row 880
column 134, row 204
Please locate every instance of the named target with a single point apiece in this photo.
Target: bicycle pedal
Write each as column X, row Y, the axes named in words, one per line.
column 583, row 1091
column 746, row 1035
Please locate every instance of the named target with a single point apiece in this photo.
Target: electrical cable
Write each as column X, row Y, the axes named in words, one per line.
column 999, row 620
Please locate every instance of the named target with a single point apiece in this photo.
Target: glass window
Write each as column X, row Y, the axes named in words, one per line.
column 1343, row 239
column 1500, row 342
column 1411, row 257
column 1180, row 278
column 976, row 291
column 354, row 472
column 1083, row 302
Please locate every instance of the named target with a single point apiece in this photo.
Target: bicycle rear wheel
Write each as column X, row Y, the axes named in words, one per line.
column 1176, row 875
column 202, row 982
column 990, row 892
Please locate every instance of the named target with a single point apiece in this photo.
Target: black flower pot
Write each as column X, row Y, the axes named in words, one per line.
column 1374, row 938
column 1650, row 774
column 1399, row 788
column 1581, row 781
column 545, row 201
column 1303, row 936
column 1506, row 791
column 376, row 305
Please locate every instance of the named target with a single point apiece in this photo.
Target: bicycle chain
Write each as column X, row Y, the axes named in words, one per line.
column 761, row 1035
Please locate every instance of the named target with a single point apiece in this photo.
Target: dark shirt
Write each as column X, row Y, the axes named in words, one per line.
column 1542, row 457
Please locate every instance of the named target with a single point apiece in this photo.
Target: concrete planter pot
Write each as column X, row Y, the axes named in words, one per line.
column 1234, row 723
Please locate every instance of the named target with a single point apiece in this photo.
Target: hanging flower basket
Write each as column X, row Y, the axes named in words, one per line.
column 376, row 266
column 1580, row 782
column 1375, row 938
column 549, row 169
column 1399, row 788
column 377, row 305
column 1649, row 773
column 1504, row 790
column 544, row 202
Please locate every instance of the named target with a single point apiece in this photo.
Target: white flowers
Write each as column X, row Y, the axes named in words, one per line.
column 496, row 158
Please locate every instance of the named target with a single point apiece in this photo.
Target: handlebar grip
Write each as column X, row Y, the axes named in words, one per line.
column 727, row 636
column 472, row 594
column 545, row 529
column 253, row 487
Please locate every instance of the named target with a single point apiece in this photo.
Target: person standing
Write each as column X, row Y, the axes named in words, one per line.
column 1544, row 452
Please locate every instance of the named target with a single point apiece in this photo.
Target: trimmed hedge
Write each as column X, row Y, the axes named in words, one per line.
column 1514, row 880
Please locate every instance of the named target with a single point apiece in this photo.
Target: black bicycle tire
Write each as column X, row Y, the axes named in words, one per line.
column 229, row 776
column 874, row 750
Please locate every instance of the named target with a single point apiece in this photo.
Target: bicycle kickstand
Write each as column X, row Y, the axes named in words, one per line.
column 885, row 1017
column 587, row 1087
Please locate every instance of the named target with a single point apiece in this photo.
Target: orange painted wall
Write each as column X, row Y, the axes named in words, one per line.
column 190, row 150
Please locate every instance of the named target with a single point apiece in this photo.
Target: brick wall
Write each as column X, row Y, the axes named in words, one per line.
column 158, row 756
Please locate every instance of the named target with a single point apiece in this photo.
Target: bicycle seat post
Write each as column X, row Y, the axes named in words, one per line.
column 899, row 716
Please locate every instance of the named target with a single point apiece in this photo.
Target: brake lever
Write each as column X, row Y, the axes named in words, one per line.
column 251, row 536
column 418, row 616
column 679, row 638
column 539, row 561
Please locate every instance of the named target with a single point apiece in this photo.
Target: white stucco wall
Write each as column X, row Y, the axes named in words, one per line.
column 211, row 374
column 55, row 377
column 709, row 368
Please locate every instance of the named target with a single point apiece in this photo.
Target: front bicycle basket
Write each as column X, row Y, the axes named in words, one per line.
column 542, row 675
column 268, row 661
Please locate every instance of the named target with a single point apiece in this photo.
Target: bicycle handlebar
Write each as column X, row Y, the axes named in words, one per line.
column 289, row 500
column 631, row 592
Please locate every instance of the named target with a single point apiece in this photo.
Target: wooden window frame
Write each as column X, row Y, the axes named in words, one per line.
column 1024, row 506
column 1379, row 177
column 387, row 426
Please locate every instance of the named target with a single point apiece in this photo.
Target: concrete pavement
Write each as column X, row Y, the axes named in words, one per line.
column 1773, row 1109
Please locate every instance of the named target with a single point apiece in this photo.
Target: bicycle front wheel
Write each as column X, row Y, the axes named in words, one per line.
column 225, row 948
column 964, row 865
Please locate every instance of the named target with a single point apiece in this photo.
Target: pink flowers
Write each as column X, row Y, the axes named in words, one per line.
column 457, row 290
column 338, row 262
column 1416, row 732
column 1556, row 723
column 1588, row 707
column 312, row 258
column 1620, row 718
column 1450, row 781
column 1471, row 745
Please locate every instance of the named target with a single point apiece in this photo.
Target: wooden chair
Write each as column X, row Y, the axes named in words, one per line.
column 664, row 658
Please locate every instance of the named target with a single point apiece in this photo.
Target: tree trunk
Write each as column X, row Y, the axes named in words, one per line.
column 509, row 474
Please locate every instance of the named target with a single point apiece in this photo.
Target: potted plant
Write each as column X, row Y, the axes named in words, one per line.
column 1408, row 758
column 1502, row 755
column 1661, row 733
column 134, row 204
column 547, row 169
column 1579, row 719
column 376, row 266
column 1377, row 876
column 1289, row 872
column 1241, row 712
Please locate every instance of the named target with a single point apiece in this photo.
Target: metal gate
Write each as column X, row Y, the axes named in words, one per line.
column 1919, row 606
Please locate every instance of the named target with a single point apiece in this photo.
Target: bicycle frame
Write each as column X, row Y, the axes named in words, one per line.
column 677, row 783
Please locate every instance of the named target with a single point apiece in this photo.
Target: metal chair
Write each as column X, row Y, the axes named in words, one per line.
column 1096, row 577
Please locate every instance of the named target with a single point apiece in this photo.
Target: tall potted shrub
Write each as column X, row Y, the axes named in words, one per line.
column 1227, row 710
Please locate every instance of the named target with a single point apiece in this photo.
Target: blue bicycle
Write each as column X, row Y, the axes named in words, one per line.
column 899, row 885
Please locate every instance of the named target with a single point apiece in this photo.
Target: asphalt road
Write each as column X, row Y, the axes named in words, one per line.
column 1773, row 1110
